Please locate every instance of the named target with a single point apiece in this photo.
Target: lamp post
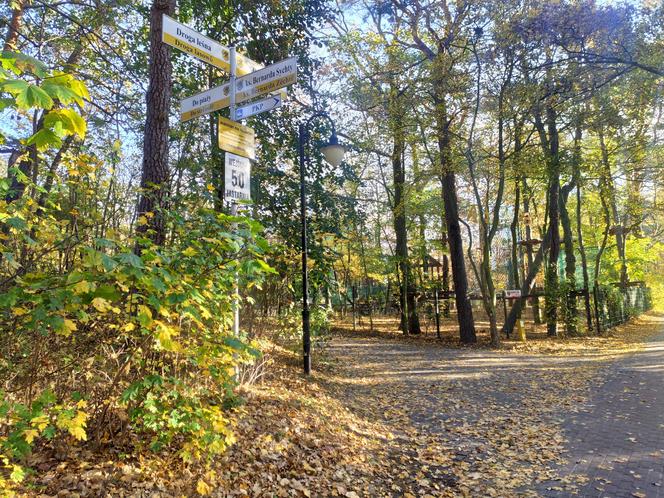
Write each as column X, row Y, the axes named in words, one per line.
column 334, row 154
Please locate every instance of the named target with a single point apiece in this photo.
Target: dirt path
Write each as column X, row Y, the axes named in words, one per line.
column 496, row 423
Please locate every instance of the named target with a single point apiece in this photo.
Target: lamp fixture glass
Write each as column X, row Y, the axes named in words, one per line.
column 333, row 151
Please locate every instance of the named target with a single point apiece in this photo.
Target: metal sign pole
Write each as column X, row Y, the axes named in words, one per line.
column 236, row 304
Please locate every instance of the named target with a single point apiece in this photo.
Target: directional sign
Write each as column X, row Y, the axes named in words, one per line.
column 206, row 49
column 191, row 41
column 257, row 107
column 237, row 178
column 205, row 102
column 237, row 139
column 218, row 98
column 266, row 80
column 513, row 293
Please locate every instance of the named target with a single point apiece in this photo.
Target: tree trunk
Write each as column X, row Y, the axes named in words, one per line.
column 450, row 202
column 582, row 253
column 529, row 250
column 570, row 266
column 550, row 146
column 11, row 40
column 513, row 231
column 611, row 192
column 527, row 285
column 409, row 320
column 155, row 176
column 570, row 258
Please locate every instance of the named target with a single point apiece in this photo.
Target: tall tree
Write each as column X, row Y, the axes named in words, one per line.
column 155, row 169
column 445, row 26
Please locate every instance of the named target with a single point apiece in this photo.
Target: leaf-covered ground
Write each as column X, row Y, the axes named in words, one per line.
column 382, row 416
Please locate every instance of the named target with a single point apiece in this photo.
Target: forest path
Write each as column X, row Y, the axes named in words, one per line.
column 476, row 422
column 616, row 439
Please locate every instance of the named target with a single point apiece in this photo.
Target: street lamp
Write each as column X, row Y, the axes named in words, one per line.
column 334, row 154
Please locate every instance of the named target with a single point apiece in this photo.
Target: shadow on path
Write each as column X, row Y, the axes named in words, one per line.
column 617, row 438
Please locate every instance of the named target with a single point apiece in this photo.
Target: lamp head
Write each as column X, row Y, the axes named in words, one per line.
column 333, row 151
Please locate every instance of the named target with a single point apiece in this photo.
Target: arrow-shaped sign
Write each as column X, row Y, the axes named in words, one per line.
column 189, row 40
column 259, row 106
column 205, row 102
column 266, row 80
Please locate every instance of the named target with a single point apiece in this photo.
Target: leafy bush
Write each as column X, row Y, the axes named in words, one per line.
column 100, row 330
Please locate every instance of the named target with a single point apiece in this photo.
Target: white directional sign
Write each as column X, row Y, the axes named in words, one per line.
column 259, row 106
column 189, row 40
column 512, row 293
column 237, row 178
column 266, row 80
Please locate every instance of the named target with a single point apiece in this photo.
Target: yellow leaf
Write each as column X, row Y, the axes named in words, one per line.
column 164, row 336
column 83, row 286
column 189, row 251
column 68, row 327
column 19, row 311
column 101, row 304
column 29, row 435
column 78, row 433
column 203, row 488
column 142, row 220
column 129, row 327
column 39, row 422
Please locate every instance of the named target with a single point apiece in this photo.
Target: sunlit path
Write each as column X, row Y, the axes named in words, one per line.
column 617, row 438
column 584, row 422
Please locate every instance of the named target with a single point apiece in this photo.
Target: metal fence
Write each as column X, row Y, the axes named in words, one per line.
column 615, row 304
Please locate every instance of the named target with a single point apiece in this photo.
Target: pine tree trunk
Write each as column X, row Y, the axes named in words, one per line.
column 11, row 40
column 155, row 171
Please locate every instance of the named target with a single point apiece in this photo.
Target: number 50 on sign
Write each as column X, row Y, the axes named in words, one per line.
column 237, row 178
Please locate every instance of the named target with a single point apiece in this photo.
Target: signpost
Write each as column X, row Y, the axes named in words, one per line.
column 258, row 106
column 512, row 294
column 206, row 102
column 237, row 175
column 254, row 79
column 236, row 138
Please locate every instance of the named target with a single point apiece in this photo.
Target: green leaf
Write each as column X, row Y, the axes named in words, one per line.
column 131, row 259
column 18, row 223
column 33, row 96
column 15, row 87
column 108, row 292
column 108, row 262
column 234, row 343
column 44, row 139
column 46, row 397
column 59, row 89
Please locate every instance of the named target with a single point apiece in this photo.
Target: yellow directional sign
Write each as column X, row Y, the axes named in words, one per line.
column 236, row 138
column 205, row 102
column 189, row 40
